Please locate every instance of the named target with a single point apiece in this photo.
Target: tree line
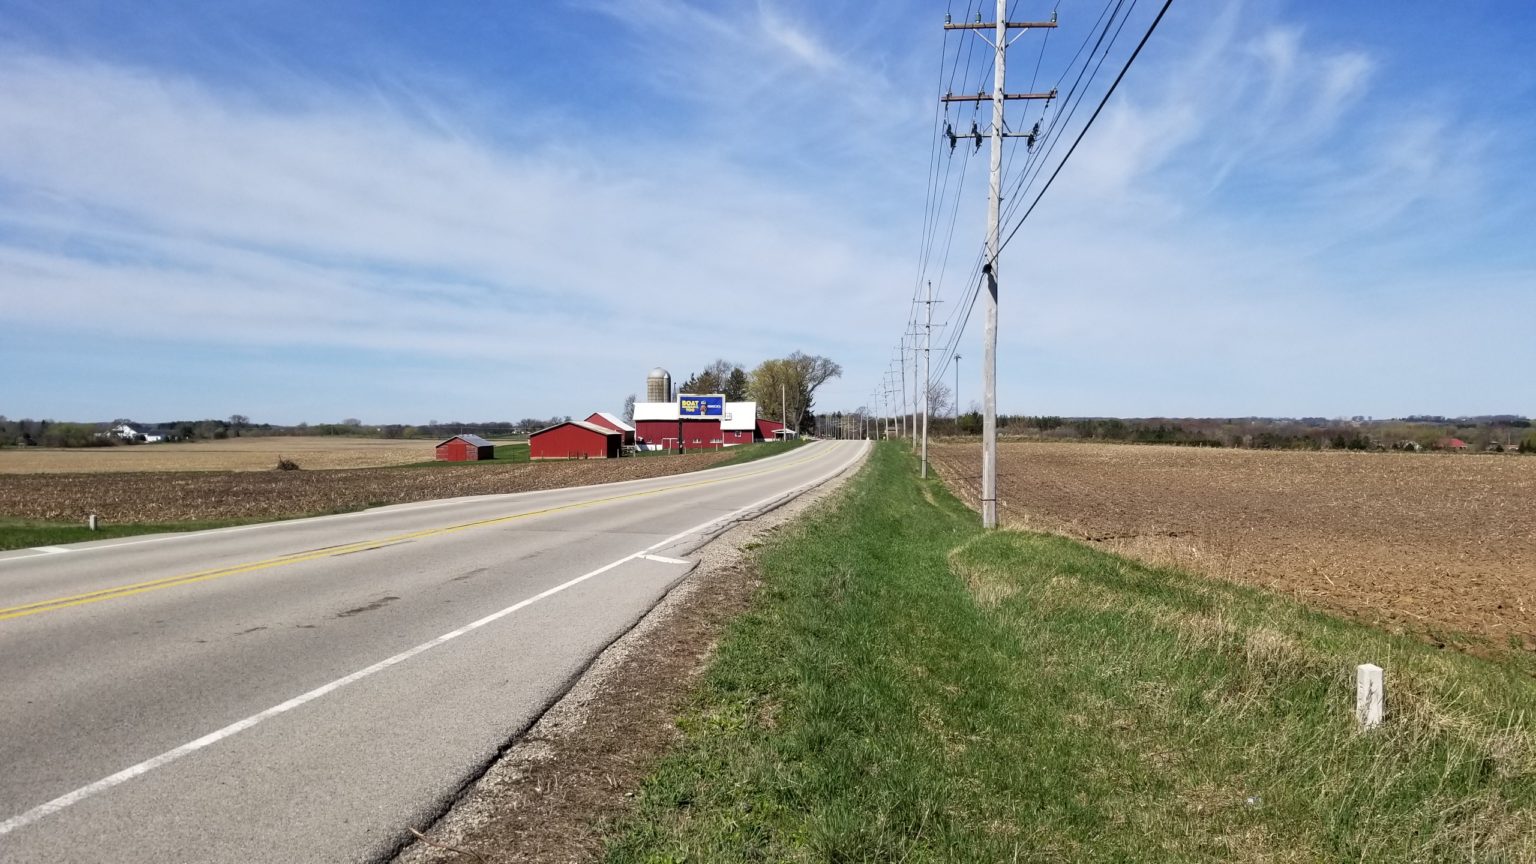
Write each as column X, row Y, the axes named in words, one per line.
column 784, row 385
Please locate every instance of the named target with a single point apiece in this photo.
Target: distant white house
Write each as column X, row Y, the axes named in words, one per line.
column 125, row 432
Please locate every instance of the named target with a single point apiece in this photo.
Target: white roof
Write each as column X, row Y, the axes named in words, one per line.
column 612, row 418
column 476, row 440
column 655, row 411
column 739, row 417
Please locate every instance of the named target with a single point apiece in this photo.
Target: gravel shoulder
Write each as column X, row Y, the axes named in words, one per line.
column 549, row 795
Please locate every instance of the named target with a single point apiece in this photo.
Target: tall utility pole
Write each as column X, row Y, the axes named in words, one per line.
column 957, row 392
column 999, row 42
column 901, row 371
column 914, row 383
column 927, row 371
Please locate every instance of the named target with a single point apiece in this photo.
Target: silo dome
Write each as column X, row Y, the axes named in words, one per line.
column 658, row 386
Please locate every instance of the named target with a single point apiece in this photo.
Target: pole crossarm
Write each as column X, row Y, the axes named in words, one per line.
column 988, row 97
column 986, row 25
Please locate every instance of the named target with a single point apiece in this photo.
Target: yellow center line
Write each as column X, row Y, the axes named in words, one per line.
column 361, row 546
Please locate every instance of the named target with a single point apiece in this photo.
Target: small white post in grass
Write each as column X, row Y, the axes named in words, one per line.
column 1370, row 697
column 90, row 522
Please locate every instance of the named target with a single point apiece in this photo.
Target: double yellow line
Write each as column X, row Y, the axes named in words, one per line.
column 363, row 546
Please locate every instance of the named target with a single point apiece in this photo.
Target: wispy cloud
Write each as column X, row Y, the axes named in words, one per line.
column 151, row 205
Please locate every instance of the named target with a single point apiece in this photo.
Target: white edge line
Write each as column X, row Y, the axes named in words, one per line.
column 44, row 810
column 387, row 510
column 49, row 550
column 665, row 560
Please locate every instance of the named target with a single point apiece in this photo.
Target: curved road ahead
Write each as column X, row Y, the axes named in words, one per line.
column 308, row 690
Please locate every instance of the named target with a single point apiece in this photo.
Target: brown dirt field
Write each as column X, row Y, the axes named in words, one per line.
column 171, row 496
column 1440, row 545
column 234, row 454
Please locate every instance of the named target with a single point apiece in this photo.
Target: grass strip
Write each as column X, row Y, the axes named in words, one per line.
column 27, row 534
column 911, row 688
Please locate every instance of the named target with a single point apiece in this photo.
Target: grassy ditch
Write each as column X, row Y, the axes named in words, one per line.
column 26, row 534
column 911, row 688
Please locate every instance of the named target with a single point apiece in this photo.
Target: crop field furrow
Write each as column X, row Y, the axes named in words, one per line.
column 1439, row 545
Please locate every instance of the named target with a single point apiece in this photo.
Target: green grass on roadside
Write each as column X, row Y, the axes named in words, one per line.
column 26, row 534
column 910, row 688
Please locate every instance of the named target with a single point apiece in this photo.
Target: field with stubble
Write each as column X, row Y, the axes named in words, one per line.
column 200, row 497
column 1442, row 545
column 234, row 454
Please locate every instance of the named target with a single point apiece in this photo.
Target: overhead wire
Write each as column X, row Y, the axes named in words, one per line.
column 1060, row 119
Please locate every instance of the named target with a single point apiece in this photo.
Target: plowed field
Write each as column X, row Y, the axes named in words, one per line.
column 1439, row 545
column 234, row 454
column 170, row 496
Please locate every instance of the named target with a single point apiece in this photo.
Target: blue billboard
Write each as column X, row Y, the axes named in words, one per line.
column 700, row 406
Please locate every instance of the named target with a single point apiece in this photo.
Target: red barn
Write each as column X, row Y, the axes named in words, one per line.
column 769, row 430
column 657, row 426
column 574, row 439
column 465, row 448
column 700, row 433
column 609, row 421
column 739, row 425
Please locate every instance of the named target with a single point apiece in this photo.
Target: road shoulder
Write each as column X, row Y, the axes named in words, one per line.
column 549, row 794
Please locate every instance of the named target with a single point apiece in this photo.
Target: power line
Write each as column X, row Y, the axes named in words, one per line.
column 1089, row 125
column 968, row 305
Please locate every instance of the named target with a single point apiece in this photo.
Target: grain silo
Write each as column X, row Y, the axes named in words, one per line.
column 658, row 386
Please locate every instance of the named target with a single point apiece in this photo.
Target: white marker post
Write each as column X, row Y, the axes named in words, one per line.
column 1370, row 696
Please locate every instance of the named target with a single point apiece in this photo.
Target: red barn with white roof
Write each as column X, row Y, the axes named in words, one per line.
column 610, row 421
column 575, row 439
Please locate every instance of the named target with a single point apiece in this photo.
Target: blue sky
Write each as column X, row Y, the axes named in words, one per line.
column 405, row 211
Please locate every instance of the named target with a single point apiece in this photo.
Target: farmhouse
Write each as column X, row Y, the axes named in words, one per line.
column 609, row 421
column 126, row 432
column 575, row 439
column 465, row 448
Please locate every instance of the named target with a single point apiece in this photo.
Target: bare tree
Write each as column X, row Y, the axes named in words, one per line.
column 790, row 385
column 629, row 408
column 938, row 399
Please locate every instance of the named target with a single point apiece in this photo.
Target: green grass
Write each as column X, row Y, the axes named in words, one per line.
column 25, row 534
column 910, row 688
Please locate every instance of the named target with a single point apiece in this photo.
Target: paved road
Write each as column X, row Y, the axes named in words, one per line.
column 306, row 691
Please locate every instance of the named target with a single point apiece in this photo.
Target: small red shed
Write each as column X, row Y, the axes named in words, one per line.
column 574, row 439
column 465, row 448
column 609, row 421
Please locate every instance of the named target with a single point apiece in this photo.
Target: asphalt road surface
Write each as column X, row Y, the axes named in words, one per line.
column 310, row 690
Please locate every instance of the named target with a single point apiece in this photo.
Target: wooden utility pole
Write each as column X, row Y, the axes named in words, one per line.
column 999, row 97
column 957, row 393
column 914, row 388
column 927, row 372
